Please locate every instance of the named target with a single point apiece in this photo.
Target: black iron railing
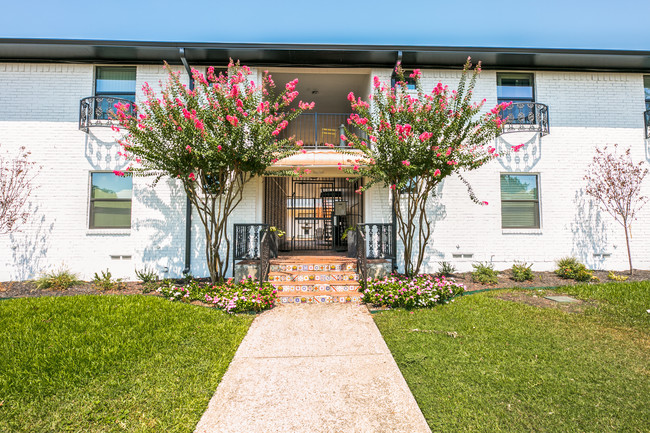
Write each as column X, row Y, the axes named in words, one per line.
column 265, row 256
column 316, row 130
column 380, row 240
column 526, row 117
column 247, row 238
column 646, row 118
column 362, row 259
column 100, row 111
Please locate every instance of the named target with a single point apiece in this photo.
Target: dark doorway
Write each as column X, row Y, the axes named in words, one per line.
column 314, row 212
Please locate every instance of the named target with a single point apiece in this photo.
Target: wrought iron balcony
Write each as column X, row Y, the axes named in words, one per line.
column 316, row 129
column 526, row 117
column 100, row 111
column 646, row 118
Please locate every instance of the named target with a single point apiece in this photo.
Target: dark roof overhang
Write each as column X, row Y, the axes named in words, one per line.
column 319, row 55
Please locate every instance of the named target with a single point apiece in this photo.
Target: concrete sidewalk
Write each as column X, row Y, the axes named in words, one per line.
column 313, row 368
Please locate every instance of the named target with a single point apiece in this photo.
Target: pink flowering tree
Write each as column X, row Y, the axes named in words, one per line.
column 614, row 181
column 410, row 141
column 213, row 139
column 17, row 175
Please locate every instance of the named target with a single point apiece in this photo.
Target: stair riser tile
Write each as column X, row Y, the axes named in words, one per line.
column 300, row 278
column 318, row 299
column 318, row 288
column 314, row 267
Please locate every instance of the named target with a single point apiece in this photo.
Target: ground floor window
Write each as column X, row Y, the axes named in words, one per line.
column 520, row 201
column 110, row 201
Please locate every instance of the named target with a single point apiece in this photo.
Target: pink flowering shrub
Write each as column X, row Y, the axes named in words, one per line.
column 420, row 291
column 247, row 295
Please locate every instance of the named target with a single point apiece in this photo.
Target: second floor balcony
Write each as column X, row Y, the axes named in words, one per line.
column 526, row 117
column 317, row 130
column 100, row 111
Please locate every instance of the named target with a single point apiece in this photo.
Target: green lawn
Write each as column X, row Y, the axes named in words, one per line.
column 520, row 368
column 110, row 363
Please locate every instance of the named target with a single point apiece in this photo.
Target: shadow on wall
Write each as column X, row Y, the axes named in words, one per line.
column 437, row 211
column 103, row 155
column 525, row 159
column 589, row 232
column 164, row 246
column 30, row 246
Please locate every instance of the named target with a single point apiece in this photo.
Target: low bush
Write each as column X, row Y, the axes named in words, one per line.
column 571, row 268
column 146, row 275
column 615, row 277
column 105, row 281
column 521, row 271
column 422, row 291
column 484, row 273
column 446, row 269
column 247, row 295
column 59, row 279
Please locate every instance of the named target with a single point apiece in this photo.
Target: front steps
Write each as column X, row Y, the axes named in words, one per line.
column 315, row 279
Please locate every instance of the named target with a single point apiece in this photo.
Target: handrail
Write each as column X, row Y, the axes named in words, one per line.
column 380, row 239
column 265, row 256
column 246, row 241
column 100, row 111
column 526, row 117
column 362, row 259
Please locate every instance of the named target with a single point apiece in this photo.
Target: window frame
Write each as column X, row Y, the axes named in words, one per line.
column 92, row 200
column 516, row 100
column 646, row 91
column 538, row 201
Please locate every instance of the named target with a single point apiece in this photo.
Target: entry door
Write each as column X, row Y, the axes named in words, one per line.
column 310, row 208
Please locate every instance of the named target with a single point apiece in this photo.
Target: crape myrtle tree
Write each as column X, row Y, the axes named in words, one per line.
column 411, row 142
column 17, row 175
column 213, row 139
column 614, row 181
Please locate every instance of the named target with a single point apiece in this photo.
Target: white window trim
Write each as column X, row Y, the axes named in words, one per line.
column 527, row 231
column 103, row 231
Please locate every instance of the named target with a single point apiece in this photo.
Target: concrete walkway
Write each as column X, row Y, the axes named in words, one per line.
column 313, row 368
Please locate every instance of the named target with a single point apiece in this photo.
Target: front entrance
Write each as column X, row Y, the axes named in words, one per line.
column 314, row 212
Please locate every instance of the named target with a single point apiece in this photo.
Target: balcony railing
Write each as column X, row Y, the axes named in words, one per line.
column 317, row 129
column 646, row 118
column 100, row 111
column 526, row 117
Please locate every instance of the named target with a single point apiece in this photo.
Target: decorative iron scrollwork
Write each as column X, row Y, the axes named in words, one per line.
column 526, row 117
column 100, row 111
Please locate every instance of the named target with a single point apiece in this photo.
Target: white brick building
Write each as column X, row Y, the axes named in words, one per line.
column 593, row 98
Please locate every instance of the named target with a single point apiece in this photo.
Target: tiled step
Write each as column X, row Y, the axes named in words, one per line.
column 312, row 267
column 322, row 288
column 315, row 279
column 313, row 276
column 347, row 297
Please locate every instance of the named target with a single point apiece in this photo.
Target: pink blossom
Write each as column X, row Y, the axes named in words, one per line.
column 436, row 173
column 219, row 148
column 485, row 203
column 407, row 163
column 192, row 176
column 299, row 143
column 351, row 97
column 517, row 147
column 118, row 173
column 425, row 136
column 188, row 148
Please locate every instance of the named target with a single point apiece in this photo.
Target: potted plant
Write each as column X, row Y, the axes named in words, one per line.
column 276, row 234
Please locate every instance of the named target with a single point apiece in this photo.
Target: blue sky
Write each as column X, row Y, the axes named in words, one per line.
column 598, row 24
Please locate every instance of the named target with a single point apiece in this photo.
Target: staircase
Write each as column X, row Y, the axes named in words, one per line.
column 315, row 279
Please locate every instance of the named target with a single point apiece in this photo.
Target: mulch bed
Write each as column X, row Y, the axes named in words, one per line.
column 21, row 289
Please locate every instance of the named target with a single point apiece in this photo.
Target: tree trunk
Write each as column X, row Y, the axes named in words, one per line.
column 629, row 253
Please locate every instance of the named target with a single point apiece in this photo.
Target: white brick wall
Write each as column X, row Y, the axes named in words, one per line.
column 39, row 109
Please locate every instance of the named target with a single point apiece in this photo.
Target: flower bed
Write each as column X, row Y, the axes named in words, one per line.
column 231, row 297
column 421, row 291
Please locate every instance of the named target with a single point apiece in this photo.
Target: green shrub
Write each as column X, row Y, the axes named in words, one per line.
column 105, row 281
column 60, row 279
column 484, row 273
column 571, row 268
column 422, row 291
column 146, row 275
column 446, row 269
column 521, row 272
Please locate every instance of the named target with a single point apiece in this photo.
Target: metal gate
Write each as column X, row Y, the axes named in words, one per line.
column 314, row 212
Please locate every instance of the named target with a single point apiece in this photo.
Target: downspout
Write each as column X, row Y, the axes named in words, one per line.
column 188, row 205
column 392, row 205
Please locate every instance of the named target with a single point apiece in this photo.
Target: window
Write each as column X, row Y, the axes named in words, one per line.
column 116, row 82
column 646, row 85
column 410, row 81
column 519, row 201
column 518, row 89
column 110, row 201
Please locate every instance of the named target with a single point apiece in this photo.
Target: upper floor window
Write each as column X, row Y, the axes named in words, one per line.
column 113, row 82
column 519, row 201
column 110, row 201
column 646, row 85
column 520, row 90
column 410, row 81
